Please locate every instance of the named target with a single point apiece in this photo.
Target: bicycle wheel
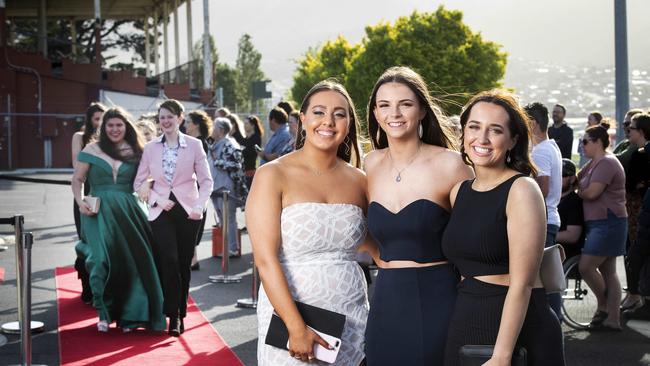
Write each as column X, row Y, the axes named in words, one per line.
column 578, row 301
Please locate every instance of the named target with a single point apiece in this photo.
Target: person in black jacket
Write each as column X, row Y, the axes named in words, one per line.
column 636, row 185
column 254, row 133
column 561, row 132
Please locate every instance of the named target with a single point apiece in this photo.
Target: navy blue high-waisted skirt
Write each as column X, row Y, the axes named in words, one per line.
column 409, row 315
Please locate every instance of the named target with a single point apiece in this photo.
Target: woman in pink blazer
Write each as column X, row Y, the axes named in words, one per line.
column 173, row 164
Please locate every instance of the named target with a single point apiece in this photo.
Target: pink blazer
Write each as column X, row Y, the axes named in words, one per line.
column 191, row 166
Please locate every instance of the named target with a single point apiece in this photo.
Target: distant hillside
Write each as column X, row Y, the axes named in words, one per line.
column 580, row 89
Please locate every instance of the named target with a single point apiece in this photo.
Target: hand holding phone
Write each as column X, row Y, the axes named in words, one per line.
column 323, row 354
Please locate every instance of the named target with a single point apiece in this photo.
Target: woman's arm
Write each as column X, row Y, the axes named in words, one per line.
column 78, row 179
column 204, row 180
column 263, row 210
column 569, row 236
column 368, row 245
column 526, row 214
column 593, row 191
column 77, row 141
column 143, row 172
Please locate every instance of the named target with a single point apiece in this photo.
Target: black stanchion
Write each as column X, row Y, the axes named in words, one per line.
column 224, row 277
column 25, row 326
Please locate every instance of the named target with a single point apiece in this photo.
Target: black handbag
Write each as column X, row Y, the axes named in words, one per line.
column 476, row 355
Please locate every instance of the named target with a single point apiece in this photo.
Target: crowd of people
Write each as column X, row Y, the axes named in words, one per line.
column 455, row 213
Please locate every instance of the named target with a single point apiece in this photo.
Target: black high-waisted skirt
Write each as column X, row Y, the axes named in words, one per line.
column 409, row 315
column 477, row 317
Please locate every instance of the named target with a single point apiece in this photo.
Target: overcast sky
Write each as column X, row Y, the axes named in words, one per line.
column 565, row 32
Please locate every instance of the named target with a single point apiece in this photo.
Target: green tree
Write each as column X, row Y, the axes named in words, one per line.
column 248, row 69
column 454, row 60
column 226, row 78
column 332, row 60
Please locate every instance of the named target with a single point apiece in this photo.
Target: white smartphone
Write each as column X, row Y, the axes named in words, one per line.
column 323, row 354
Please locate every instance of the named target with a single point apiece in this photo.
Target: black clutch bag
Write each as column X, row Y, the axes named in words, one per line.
column 473, row 355
column 322, row 320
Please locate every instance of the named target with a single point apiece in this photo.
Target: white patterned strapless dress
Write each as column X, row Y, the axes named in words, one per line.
column 318, row 257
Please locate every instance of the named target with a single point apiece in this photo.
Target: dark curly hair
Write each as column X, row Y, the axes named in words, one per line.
column 131, row 136
column 435, row 131
column 349, row 150
column 518, row 125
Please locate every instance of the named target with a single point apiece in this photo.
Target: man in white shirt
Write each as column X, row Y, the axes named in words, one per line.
column 548, row 159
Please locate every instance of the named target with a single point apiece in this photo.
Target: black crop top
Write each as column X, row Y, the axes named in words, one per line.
column 476, row 238
column 413, row 234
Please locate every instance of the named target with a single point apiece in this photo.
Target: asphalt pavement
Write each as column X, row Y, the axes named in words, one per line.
column 48, row 215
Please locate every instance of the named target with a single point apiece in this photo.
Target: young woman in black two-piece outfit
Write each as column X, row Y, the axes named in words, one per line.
column 495, row 237
column 410, row 174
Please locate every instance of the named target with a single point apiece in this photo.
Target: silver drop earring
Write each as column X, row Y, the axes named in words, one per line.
column 420, row 130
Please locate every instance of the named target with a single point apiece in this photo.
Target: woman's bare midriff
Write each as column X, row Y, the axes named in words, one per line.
column 503, row 280
column 408, row 264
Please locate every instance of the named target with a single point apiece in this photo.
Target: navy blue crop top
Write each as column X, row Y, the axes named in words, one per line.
column 413, row 234
column 476, row 239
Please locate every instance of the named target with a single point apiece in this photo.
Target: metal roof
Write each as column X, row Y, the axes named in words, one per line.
column 85, row 9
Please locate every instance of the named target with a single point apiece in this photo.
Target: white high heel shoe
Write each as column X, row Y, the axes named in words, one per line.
column 102, row 326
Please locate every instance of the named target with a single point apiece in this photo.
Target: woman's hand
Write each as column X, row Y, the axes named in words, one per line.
column 143, row 192
column 165, row 204
column 84, row 209
column 301, row 344
column 196, row 214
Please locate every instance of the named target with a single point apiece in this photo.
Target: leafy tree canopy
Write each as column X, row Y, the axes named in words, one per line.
column 455, row 61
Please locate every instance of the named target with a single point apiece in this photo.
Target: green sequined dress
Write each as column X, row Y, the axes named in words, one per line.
column 116, row 245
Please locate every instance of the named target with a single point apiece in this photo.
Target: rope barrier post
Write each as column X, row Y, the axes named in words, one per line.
column 225, row 255
column 24, row 288
column 18, row 222
column 251, row 302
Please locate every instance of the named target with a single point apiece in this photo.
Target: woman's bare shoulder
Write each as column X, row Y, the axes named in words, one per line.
column 92, row 148
column 373, row 158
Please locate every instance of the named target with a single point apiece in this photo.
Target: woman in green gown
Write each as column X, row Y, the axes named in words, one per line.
column 116, row 240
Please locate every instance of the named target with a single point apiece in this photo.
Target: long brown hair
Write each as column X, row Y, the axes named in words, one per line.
column 201, row 119
column 131, row 136
column 433, row 131
column 89, row 129
column 518, row 124
column 257, row 125
column 349, row 150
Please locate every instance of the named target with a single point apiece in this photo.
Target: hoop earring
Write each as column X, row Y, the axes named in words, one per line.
column 347, row 142
column 420, row 130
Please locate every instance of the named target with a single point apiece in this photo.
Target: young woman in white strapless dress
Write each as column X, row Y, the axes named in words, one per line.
column 306, row 219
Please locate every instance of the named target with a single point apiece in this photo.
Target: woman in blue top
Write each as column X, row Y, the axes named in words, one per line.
column 410, row 174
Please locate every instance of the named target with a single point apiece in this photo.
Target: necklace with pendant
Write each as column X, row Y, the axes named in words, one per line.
column 398, row 178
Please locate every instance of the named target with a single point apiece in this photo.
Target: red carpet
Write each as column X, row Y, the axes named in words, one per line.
column 81, row 343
